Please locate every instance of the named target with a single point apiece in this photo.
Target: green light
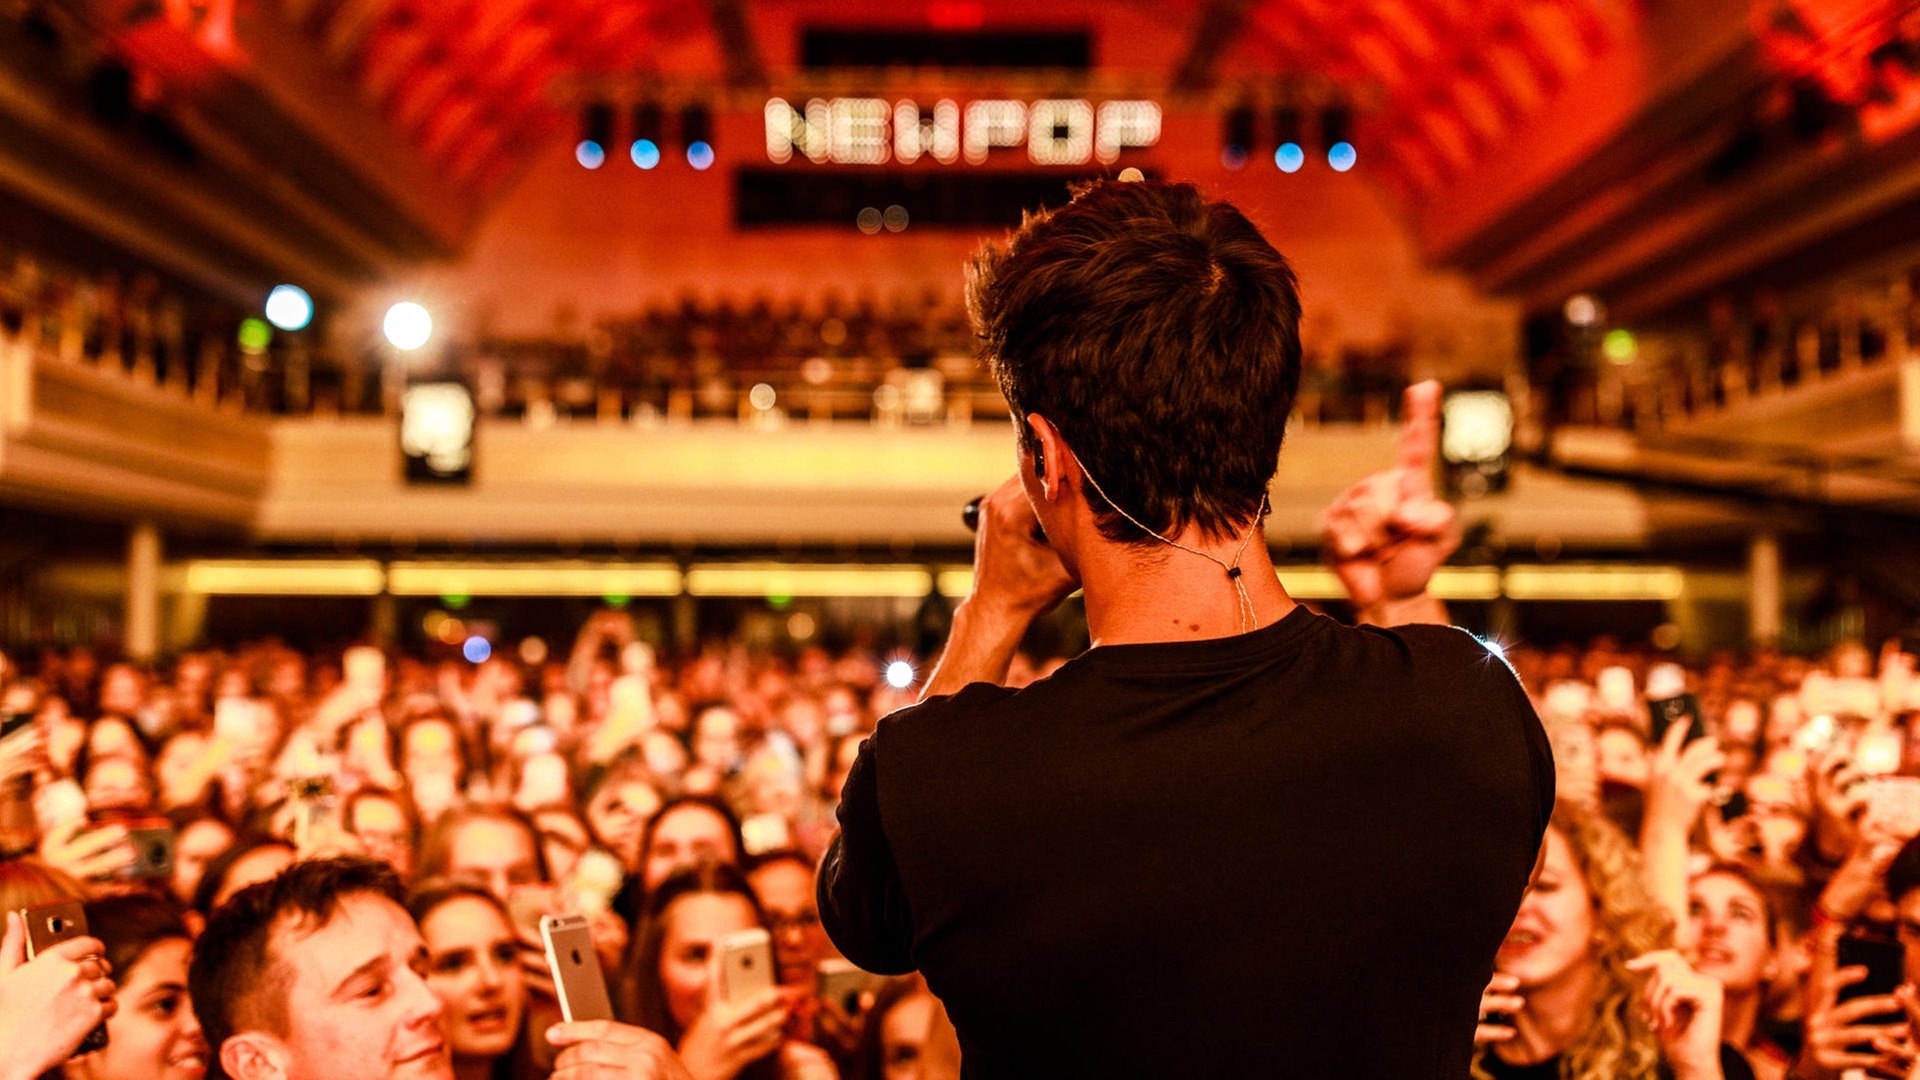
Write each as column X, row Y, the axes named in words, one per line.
column 456, row 601
column 616, row 600
column 1619, row 346
column 255, row 334
column 777, row 601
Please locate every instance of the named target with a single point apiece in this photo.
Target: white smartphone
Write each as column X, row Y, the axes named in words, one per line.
column 742, row 964
column 577, row 979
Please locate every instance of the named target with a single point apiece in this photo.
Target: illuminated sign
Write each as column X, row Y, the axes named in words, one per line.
column 874, row 131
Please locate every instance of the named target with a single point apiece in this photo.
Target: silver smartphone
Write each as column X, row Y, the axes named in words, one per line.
column 742, row 963
column 577, row 980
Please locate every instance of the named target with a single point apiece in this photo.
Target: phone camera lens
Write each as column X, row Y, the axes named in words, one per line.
column 57, row 925
column 576, row 957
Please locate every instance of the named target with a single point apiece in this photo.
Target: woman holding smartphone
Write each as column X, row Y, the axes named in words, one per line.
column 473, row 966
column 153, row 1034
column 1586, row 985
column 671, row 989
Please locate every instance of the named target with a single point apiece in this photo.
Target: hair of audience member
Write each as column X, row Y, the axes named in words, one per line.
column 214, row 877
column 712, row 802
column 436, row 845
column 129, row 924
column 751, row 864
column 869, row 1058
column 1628, row 922
column 1768, row 895
column 28, row 882
column 1141, row 319
column 401, row 798
column 644, row 993
column 1903, row 874
column 236, row 980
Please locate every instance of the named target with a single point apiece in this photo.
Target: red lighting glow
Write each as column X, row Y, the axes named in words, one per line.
column 956, row 14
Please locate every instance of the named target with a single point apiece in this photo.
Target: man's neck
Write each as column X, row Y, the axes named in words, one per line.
column 1159, row 593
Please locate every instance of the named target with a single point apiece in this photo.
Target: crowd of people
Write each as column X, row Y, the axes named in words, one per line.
column 1701, row 899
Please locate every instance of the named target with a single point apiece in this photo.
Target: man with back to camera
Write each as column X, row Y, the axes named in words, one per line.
column 320, row 973
column 1233, row 838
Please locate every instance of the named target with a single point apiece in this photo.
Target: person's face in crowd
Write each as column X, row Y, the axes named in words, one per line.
column 716, row 739
column 153, row 1035
column 688, row 835
column 1576, row 770
column 1741, row 723
column 192, row 676
column 544, row 781
column 196, row 846
column 117, row 783
column 903, row 1036
column 110, row 737
column 1727, row 931
column 474, row 966
column 178, row 764
column 122, row 691
column 288, row 679
column 785, row 891
column 560, row 712
column 1621, row 757
column 358, row 1006
column 805, row 722
column 663, row 753
column 380, row 824
column 1553, row 935
column 563, row 839
column 233, row 683
column 693, row 923
column 493, row 854
column 430, row 746
column 618, row 812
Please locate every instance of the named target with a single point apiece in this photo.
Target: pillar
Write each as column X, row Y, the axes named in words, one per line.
column 1764, row 596
column 143, row 591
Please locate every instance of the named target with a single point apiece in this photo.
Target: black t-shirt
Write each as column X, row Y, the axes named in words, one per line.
column 1291, row 852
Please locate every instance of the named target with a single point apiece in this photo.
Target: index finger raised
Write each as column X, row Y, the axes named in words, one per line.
column 1419, row 437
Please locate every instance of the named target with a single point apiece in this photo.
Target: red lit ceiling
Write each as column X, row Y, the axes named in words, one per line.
column 471, row 82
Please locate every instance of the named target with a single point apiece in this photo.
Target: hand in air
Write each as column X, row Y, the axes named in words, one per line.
column 50, row 1003
column 1385, row 535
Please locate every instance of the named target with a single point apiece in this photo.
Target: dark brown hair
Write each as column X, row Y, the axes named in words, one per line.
column 237, row 980
column 1160, row 333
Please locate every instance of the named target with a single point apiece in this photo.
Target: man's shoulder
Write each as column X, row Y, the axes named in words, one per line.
column 966, row 704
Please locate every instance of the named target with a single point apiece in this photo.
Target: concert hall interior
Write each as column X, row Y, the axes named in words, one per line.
column 583, row 371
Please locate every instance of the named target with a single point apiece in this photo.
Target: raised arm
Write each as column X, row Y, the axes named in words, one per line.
column 1386, row 535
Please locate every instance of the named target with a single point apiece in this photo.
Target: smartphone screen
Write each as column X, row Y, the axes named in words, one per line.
column 577, row 979
column 743, row 964
column 1885, row 961
column 1665, row 712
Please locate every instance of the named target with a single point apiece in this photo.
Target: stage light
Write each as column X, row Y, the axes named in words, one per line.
column 1290, row 157
column 762, row 396
column 289, row 307
column 1582, row 310
column 1238, row 137
column 1131, row 175
column 869, row 220
column 408, row 326
column 648, row 134
column 895, row 219
column 1341, row 156
column 254, row 336
column 596, row 134
column 696, row 134
column 477, row 650
column 899, row 674
column 1620, row 346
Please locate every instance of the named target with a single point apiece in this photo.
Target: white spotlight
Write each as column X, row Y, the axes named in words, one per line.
column 408, row 326
column 899, row 674
column 289, row 307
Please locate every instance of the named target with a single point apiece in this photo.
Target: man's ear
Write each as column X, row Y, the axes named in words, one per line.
column 1049, row 451
column 254, row 1055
